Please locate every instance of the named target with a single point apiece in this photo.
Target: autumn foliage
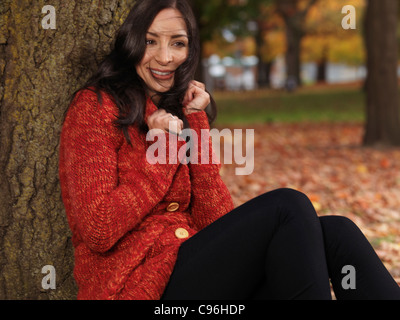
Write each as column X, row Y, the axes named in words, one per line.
column 326, row 161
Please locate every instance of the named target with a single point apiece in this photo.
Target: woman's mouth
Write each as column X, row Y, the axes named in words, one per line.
column 162, row 74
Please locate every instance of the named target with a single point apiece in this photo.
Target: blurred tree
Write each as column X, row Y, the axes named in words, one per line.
column 294, row 13
column 326, row 41
column 39, row 70
column 242, row 18
column 268, row 41
column 382, row 101
column 212, row 17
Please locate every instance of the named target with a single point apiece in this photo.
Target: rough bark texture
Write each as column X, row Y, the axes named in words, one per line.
column 39, row 70
column 383, row 111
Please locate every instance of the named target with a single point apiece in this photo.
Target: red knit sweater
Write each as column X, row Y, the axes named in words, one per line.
column 124, row 233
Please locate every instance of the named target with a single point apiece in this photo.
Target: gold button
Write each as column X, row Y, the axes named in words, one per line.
column 181, row 233
column 173, row 206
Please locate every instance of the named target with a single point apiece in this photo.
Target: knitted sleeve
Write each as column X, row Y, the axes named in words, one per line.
column 103, row 207
column 210, row 198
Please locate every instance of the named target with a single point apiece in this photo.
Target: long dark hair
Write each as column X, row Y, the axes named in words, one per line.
column 117, row 74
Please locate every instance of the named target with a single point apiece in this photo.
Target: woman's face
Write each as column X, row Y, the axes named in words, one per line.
column 167, row 47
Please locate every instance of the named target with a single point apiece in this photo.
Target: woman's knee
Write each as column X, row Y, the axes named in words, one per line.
column 287, row 195
column 337, row 223
column 340, row 229
column 292, row 203
column 296, row 200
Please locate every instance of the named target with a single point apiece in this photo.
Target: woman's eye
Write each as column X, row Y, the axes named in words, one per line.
column 148, row 42
column 180, row 44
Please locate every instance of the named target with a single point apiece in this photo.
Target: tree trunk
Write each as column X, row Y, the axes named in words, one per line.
column 322, row 65
column 294, row 18
column 382, row 111
column 293, row 36
column 39, row 70
column 263, row 67
column 264, row 74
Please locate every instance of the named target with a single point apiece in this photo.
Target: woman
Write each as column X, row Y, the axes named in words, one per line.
column 145, row 230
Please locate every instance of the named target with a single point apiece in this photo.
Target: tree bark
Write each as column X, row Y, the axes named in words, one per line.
column 382, row 102
column 39, row 70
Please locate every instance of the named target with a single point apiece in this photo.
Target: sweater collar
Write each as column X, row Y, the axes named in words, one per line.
column 150, row 108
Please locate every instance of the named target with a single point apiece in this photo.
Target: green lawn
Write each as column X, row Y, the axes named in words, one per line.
column 328, row 104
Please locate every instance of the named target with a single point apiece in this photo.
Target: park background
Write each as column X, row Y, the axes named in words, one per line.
column 322, row 99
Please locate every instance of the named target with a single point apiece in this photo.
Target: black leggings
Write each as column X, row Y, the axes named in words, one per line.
column 276, row 247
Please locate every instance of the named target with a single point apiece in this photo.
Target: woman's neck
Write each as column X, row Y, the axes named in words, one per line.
column 155, row 97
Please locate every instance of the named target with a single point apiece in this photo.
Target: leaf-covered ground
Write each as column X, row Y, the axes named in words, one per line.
column 326, row 162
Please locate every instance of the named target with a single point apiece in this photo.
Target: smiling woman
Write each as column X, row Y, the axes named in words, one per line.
column 167, row 48
column 154, row 58
column 128, row 217
column 169, row 230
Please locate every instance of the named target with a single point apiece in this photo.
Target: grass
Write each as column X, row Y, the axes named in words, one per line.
column 308, row 104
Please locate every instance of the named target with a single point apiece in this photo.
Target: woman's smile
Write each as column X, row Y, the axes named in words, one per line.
column 162, row 74
column 167, row 47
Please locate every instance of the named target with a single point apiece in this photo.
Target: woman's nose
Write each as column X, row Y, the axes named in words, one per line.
column 164, row 55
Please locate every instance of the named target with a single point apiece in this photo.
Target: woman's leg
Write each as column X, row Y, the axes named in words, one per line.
column 345, row 245
column 269, row 248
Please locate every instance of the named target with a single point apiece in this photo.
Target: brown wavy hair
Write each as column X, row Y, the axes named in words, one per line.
column 117, row 74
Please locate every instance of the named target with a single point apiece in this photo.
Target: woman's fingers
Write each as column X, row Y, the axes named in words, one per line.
column 198, row 84
column 167, row 122
column 175, row 125
column 196, row 97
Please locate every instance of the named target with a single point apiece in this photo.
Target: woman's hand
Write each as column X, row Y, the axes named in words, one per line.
column 164, row 121
column 196, row 98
